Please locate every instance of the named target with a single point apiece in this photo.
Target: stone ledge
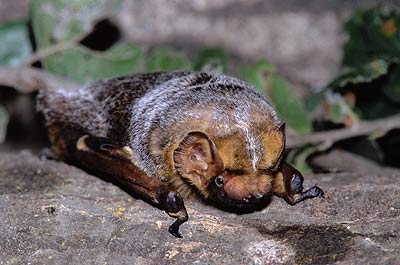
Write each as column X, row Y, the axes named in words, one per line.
column 55, row 213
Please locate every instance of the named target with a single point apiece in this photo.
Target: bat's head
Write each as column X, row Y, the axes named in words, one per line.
column 233, row 172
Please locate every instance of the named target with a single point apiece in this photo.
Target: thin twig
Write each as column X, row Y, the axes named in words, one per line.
column 344, row 161
column 51, row 50
column 56, row 48
column 328, row 138
column 28, row 79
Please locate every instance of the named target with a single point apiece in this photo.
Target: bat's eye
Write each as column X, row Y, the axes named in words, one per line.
column 219, row 181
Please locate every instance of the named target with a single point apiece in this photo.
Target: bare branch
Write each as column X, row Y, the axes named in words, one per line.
column 327, row 138
column 51, row 50
column 28, row 79
column 56, row 48
column 344, row 161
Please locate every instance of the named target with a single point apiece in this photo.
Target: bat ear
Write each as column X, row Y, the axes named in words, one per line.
column 197, row 159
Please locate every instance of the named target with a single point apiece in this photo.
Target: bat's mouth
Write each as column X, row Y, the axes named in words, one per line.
column 241, row 206
column 218, row 196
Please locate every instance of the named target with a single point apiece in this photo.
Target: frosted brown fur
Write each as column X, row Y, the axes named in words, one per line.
column 169, row 136
column 227, row 109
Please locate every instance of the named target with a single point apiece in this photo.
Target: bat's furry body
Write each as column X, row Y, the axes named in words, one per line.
column 182, row 129
column 133, row 110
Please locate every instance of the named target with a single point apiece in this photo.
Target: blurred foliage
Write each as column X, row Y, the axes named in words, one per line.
column 373, row 34
column 263, row 75
column 370, row 74
column 3, row 123
column 369, row 80
column 367, row 87
column 163, row 59
column 365, row 73
column 60, row 21
column 15, row 45
column 339, row 110
column 56, row 21
column 298, row 158
column 83, row 65
column 211, row 59
column 257, row 73
column 15, row 48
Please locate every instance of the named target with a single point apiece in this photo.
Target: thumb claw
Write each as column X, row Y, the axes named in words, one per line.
column 182, row 217
column 174, row 230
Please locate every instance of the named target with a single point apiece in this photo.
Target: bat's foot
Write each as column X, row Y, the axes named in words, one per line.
column 296, row 186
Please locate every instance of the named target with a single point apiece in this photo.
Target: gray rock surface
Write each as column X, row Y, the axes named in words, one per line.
column 52, row 213
column 12, row 10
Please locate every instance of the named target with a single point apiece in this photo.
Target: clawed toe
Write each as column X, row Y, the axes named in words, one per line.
column 174, row 230
column 315, row 191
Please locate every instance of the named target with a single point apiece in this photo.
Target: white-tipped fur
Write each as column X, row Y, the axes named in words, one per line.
column 134, row 110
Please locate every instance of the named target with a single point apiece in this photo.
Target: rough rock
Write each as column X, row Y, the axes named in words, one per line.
column 53, row 213
column 12, row 10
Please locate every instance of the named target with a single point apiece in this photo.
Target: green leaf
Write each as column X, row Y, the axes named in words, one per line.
column 373, row 34
column 211, row 59
column 288, row 105
column 298, row 158
column 370, row 74
column 337, row 114
column 83, row 65
column 3, row 123
column 61, row 21
column 392, row 88
column 57, row 21
column 15, row 45
column 163, row 59
column 362, row 74
column 339, row 110
column 313, row 101
column 256, row 74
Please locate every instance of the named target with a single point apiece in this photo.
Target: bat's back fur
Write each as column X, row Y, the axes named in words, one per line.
column 152, row 113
